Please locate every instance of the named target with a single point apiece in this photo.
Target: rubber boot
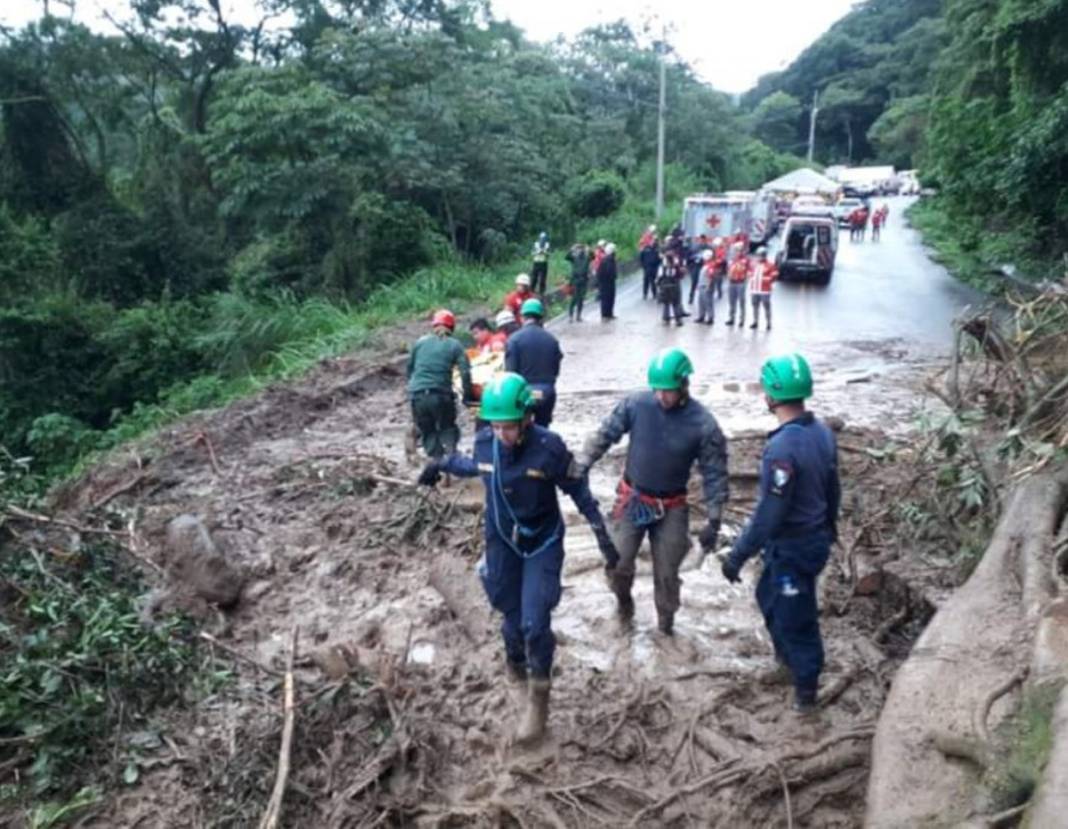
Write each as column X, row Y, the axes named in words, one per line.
column 665, row 623
column 532, row 728
column 515, row 671
column 805, row 703
column 779, row 675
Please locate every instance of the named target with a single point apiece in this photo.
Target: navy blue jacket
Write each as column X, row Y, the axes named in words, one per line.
column 799, row 488
column 530, row 474
column 535, row 354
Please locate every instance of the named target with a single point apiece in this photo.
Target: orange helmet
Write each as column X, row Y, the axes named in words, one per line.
column 444, row 317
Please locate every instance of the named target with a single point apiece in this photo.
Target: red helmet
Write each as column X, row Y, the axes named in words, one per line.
column 444, row 317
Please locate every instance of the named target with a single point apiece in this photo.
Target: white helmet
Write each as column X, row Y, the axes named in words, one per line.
column 610, row 248
column 706, row 255
column 504, row 317
column 652, row 228
column 601, row 243
column 523, row 279
column 717, row 241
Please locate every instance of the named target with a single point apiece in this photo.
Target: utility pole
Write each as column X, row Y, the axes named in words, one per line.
column 812, row 124
column 660, row 140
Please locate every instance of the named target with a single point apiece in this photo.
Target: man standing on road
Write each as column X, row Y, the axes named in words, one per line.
column 669, row 432
column 514, row 300
column 430, row 367
column 669, row 286
column 762, row 274
column 737, row 274
column 706, row 295
column 522, row 465
column 649, row 255
column 535, row 355
column 695, row 262
column 539, row 270
column 607, row 273
column 579, row 281
column 795, row 523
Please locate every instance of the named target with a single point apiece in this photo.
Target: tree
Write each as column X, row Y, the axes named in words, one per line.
column 776, row 120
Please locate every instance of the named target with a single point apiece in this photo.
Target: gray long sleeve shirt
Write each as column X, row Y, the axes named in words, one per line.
column 664, row 446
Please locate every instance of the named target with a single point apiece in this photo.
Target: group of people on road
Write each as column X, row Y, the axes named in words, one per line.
column 859, row 218
column 709, row 262
column 522, row 464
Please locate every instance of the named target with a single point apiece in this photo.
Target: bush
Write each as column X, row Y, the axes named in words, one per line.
column 57, row 441
column 597, row 193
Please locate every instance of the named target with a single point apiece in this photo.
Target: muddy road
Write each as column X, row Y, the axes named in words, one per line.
column 408, row 715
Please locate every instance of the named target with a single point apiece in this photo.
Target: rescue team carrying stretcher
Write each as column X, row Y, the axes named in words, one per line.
column 522, row 464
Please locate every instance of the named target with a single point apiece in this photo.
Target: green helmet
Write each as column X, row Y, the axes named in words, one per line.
column 532, row 308
column 669, row 369
column 787, row 378
column 505, row 397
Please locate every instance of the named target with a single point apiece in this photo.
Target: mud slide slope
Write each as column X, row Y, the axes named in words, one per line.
column 931, row 742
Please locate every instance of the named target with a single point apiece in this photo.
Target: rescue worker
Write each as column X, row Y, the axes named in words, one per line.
column 539, row 269
column 606, row 282
column 737, row 274
column 649, row 256
column 647, row 238
column 669, row 432
column 695, row 262
column 876, row 225
column 482, row 334
column 430, row 366
column 579, row 281
column 598, row 255
column 506, row 324
column 669, row 286
column 706, row 306
column 514, row 301
column 521, row 466
column 719, row 247
column 762, row 274
column 535, row 355
column 795, row 523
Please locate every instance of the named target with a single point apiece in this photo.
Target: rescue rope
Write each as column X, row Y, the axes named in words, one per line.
column 518, row 529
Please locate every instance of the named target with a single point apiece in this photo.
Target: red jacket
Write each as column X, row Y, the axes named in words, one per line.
column 514, row 301
column 739, row 269
column 646, row 240
column 761, row 276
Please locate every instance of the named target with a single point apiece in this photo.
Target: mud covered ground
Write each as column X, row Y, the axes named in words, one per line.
column 404, row 716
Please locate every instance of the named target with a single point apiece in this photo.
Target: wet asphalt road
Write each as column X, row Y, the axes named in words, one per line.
column 887, row 301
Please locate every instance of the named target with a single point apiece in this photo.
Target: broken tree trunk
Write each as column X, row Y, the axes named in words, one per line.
column 982, row 635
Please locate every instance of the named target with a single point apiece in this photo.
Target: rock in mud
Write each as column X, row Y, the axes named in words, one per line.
column 196, row 564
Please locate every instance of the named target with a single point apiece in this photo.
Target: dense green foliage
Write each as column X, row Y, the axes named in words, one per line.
column 973, row 92
column 78, row 662
column 188, row 205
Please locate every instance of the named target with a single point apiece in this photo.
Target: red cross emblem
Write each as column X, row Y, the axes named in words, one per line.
column 713, row 221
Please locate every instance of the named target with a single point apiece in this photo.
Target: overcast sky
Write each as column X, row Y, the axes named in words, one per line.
column 729, row 44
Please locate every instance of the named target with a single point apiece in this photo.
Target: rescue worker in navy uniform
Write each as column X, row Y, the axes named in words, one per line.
column 669, row 432
column 430, row 368
column 795, row 523
column 534, row 354
column 522, row 465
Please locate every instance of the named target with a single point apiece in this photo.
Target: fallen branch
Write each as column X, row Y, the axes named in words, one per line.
column 234, row 652
column 203, row 439
column 982, row 713
column 274, row 806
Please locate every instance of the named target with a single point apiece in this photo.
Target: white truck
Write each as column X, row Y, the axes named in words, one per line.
column 728, row 214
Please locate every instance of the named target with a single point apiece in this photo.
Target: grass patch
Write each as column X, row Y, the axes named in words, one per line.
column 975, row 253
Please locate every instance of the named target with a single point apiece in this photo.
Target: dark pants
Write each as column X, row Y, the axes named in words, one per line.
column 695, row 277
column 669, row 539
column 606, row 288
column 544, row 402
column 539, row 277
column 649, row 281
column 434, row 413
column 578, row 299
column 525, row 590
column 671, row 301
column 786, row 595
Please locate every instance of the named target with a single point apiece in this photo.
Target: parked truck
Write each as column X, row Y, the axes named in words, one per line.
column 730, row 214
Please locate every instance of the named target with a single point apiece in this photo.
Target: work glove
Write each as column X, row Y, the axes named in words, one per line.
column 730, row 570
column 607, row 547
column 431, row 474
column 708, row 535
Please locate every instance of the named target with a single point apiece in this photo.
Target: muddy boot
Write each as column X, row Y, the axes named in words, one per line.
column 665, row 623
column 515, row 671
column 805, row 704
column 779, row 675
column 532, row 728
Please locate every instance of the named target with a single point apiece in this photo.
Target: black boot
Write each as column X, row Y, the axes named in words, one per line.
column 665, row 623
